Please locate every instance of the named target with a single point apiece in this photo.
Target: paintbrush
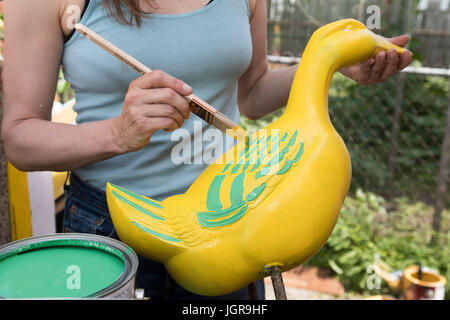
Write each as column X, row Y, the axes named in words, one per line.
column 197, row 106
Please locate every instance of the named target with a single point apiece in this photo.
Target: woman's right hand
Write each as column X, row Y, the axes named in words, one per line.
column 154, row 101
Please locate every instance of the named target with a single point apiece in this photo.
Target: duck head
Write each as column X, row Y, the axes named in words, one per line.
column 332, row 47
column 350, row 41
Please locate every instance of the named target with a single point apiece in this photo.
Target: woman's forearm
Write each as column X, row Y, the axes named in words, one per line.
column 270, row 92
column 153, row 102
column 41, row 145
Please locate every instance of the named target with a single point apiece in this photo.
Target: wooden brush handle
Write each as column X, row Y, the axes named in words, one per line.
column 198, row 106
column 112, row 49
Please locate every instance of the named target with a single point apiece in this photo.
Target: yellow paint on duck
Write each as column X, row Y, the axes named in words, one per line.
column 275, row 203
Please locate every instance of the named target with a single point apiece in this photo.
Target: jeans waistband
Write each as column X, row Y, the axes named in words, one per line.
column 86, row 192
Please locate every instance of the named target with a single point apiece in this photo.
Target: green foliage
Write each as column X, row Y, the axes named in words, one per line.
column 364, row 116
column 62, row 85
column 63, row 88
column 399, row 235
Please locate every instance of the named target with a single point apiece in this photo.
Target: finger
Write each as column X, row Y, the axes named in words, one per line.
column 153, row 124
column 378, row 66
column 366, row 67
column 405, row 59
column 362, row 72
column 160, row 79
column 393, row 60
column 400, row 40
column 167, row 96
column 161, row 110
column 162, row 123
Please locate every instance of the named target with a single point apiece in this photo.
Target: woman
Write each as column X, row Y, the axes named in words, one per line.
column 125, row 121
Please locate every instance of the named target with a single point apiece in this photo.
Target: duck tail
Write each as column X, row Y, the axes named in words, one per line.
column 142, row 223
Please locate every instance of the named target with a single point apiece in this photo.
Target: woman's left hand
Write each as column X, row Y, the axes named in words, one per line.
column 382, row 67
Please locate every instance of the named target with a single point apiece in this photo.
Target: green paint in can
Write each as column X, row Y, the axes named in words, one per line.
column 64, row 266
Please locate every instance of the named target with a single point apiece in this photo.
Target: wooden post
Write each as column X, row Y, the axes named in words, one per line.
column 277, row 282
column 400, row 94
column 395, row 132
column 443, row 180
column 253, row 291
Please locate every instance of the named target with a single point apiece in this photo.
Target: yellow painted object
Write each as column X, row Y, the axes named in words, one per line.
column 272, row 202
column 19, row 204
column 384, row 271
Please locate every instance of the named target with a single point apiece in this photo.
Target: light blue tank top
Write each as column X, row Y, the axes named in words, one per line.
column 209, row 49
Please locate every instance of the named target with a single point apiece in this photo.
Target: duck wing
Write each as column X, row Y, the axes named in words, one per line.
column 235, row 188
column 249, row 177
column 144, row 213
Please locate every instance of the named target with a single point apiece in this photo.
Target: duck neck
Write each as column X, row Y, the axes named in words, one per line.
column 308, row 101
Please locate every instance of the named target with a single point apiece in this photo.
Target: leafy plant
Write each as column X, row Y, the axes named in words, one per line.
column 63, row 89
column 399, row 235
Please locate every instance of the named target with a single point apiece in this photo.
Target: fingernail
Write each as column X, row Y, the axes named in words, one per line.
column 186, row 87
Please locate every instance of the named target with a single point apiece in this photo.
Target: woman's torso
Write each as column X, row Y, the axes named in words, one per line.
column 209, row 49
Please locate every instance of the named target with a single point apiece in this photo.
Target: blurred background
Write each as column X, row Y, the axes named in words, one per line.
column 398, row 135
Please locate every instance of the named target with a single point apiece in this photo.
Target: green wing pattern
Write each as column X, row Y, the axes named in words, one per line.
column 263, row 158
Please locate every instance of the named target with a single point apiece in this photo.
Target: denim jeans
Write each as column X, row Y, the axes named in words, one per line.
column 86, row 211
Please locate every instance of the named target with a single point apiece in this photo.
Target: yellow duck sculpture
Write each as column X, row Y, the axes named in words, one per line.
column 271, row 202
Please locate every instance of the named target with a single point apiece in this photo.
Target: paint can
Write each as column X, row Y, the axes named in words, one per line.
column 67, row 266
column 423, row 285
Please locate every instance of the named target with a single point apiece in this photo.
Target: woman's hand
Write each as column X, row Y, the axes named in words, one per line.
column 154, row 101
column 382, row 67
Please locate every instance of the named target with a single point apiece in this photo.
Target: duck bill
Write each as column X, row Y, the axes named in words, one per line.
column 384, row 44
